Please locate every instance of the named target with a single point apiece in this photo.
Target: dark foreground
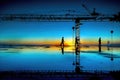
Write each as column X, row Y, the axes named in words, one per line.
column 53, row 75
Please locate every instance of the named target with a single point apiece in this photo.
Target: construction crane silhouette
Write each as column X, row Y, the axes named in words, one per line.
column 94, row 13
column 64, row 17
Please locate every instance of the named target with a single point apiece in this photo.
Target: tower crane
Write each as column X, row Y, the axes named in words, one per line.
column 71, row 17
column 94, row 13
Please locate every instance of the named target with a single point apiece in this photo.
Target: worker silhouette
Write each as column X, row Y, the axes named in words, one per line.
column 62, row 45
column 62, row 42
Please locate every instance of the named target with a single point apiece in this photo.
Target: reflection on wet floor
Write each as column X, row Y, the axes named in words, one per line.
column 39, row 57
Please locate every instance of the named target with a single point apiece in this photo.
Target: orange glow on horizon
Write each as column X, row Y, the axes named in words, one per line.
column 67, row 42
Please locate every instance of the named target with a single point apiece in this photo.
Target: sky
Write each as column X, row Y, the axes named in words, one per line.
column 29, row 32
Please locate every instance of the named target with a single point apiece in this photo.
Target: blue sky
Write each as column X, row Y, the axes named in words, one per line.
column 23, row 31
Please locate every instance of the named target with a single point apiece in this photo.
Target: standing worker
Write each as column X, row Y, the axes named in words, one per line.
column 62, row 45
column 62, row 42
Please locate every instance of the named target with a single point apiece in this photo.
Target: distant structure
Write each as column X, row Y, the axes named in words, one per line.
column 99, row 45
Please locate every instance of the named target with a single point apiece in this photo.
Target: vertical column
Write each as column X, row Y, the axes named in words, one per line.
column 99, row 44
column 77, row 45
column 111, row 44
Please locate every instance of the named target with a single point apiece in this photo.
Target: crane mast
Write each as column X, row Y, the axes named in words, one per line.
column 77, row 45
